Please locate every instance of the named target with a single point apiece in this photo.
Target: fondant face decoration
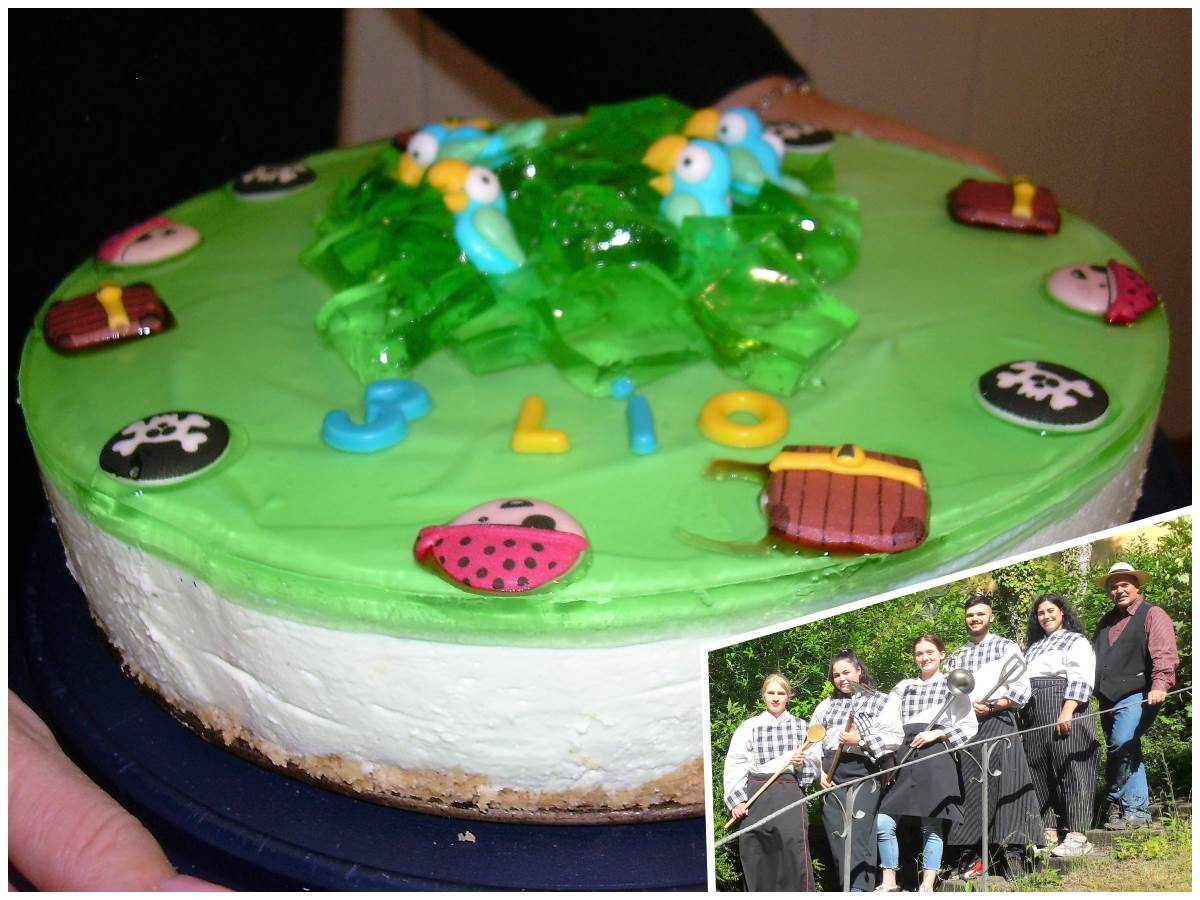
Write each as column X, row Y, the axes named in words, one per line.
column 505, row 546
column 264, row 182
column 165, row 448
column 154, row 240
column 1116, row 292
column 1084, row 288
column 1044, row 396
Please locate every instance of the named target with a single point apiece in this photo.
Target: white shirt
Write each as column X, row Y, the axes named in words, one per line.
column 958, row 721
column 985, row 661
column 878, row 734
column 763, row 745
column 1065, row 654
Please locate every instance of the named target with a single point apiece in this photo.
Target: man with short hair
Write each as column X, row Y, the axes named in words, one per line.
column 1013, row 817
column 1136, row 657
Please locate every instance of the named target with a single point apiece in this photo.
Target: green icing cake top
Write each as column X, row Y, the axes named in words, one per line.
column 285, row 523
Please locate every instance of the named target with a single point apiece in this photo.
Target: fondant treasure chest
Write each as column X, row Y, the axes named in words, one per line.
column 1019, row 205
column 111, row 314
column 845, row 499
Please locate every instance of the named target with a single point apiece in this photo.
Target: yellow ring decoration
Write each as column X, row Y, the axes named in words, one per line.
column 716, row 425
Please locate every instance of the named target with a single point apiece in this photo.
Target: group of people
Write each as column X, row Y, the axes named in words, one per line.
column 1040, row 786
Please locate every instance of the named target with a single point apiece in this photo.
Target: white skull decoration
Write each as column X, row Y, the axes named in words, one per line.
column 1038, row 384
column 164, row 428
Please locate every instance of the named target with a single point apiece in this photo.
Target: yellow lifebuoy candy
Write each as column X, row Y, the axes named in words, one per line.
column 716, row 424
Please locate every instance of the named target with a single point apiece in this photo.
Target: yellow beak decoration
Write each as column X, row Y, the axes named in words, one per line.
column 449, row 176
column 703, row 123
column 410, row 172
column 661, row 157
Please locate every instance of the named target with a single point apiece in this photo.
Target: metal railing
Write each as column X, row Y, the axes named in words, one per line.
column 855, row 785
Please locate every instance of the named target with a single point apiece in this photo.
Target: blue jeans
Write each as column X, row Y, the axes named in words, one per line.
column 889, row 847
column 1124, row 724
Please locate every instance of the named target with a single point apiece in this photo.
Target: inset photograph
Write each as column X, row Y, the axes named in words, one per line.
column 1026, row 728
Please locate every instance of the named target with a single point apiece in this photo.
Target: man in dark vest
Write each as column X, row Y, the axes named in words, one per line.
column 1136, row 658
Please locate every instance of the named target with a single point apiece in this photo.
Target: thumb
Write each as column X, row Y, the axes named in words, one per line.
column 64, row 833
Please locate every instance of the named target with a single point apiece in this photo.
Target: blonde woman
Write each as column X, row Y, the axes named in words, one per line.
column 774, row 857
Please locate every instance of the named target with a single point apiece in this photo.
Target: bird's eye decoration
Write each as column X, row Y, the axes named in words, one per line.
column 731, row 129
column 423, row 148
column 694, row 164
column 482, row 185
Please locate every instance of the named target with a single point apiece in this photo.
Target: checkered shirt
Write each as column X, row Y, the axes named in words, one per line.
column 874, row 735
column 761, row 745
column 992, row 649
column 919, row 701
column 1065, row 654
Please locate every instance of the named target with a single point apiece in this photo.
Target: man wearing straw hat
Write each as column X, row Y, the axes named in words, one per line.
column 1136, row 658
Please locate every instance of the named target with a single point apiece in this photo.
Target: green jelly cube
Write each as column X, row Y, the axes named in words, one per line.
column 611, row 321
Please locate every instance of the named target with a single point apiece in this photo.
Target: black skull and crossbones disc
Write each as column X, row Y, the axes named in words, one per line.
column 165, row 447
column 266, row 181
column 1044, row 396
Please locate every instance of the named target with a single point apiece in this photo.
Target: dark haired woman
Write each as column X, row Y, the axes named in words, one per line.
column 861, row 724
column 1063, row 753
column 931, row 789
column 774, row 857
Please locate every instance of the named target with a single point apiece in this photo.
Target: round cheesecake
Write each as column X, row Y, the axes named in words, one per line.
column 275, row 598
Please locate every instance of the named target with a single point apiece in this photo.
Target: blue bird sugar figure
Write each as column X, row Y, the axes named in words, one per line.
column 481, row 225
column 695, row 180
column 430, row 144
column 755, row 154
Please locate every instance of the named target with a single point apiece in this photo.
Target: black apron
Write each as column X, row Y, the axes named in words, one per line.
column 776, row 856
column 932, row 788
column 864, row 843
column 1013, row 812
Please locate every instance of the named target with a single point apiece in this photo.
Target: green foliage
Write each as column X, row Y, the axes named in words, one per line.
column 883, row 634
column 1142, row 846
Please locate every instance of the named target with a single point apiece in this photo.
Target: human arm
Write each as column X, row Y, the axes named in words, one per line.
column 1065, row 715
column 1164, row 654
column 1079, row 667
column 737, row 768
column 64, row 833
column 879, row 725
column 814, row 108
column 959, row 724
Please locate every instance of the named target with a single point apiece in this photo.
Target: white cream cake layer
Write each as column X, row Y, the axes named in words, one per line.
column 559, row 725
column 531, row 720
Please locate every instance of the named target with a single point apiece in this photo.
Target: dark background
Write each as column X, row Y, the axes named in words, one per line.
column 115, row 116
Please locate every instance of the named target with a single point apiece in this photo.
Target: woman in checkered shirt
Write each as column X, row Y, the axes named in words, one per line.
column 776, row 856
column 932, row 789
column 859, row 720
column 1063, row 752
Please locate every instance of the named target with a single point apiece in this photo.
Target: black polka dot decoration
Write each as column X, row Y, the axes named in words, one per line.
column 165, row 448
column 1044, row 396
column 265, row 182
